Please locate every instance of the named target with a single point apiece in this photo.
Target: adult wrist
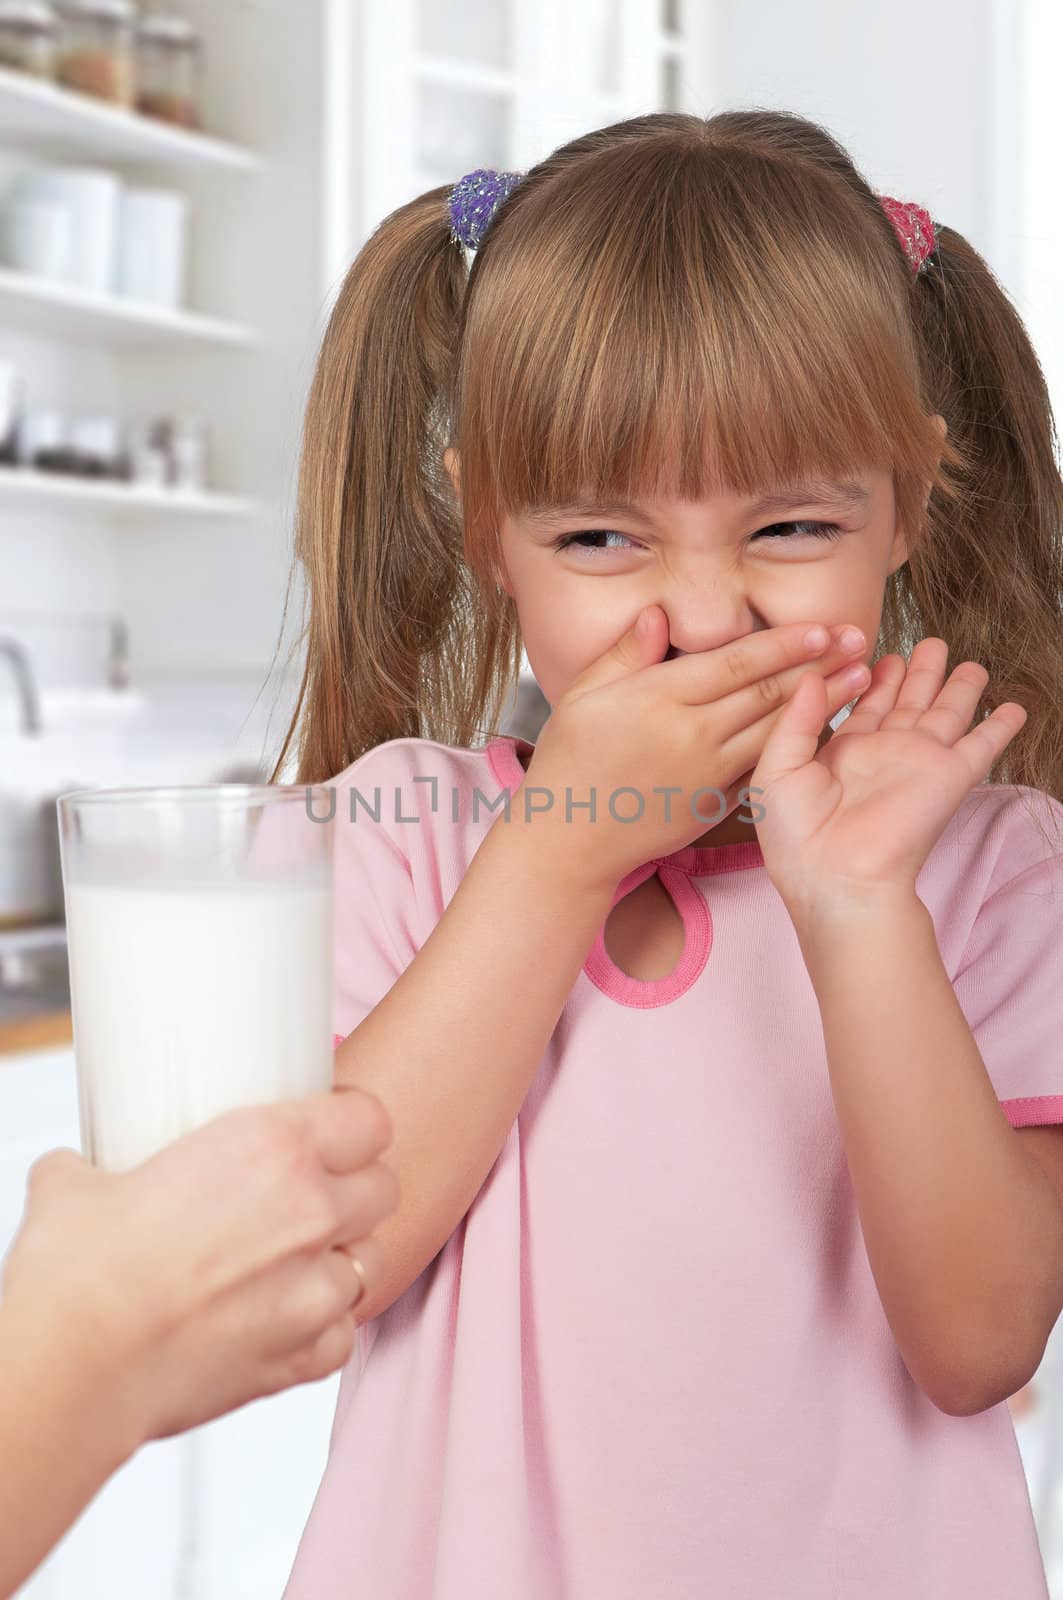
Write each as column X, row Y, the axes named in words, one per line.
column 98, row 1378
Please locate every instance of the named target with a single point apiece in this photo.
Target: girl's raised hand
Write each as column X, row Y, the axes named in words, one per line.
column 858, row 815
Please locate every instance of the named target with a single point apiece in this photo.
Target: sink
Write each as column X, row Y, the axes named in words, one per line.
column 33, row 999
column 34, row 771
column 34, row 973
column 101, row 752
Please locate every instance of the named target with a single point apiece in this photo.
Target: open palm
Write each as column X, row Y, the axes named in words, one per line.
column 863, row 811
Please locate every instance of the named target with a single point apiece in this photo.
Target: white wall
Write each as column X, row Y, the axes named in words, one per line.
column 916, row 91
column 1038, row 185
column 951, row 103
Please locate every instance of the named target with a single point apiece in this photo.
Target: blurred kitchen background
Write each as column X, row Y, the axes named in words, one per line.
column 182, row 186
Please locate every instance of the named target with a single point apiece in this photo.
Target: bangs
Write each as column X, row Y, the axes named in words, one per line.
column 680, row 319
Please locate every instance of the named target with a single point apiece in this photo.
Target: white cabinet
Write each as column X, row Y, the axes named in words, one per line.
column 212, row 1515
column 430, row 89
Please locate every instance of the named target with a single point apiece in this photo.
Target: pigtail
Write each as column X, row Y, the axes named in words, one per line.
column 987, row 573
column 403, row 638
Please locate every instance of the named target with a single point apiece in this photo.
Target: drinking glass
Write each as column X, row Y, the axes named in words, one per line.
column 199, row 933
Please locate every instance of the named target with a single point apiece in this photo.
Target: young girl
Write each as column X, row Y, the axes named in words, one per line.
column 728, row 1146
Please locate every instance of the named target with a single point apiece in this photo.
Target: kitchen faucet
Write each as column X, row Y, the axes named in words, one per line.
column 25, row 683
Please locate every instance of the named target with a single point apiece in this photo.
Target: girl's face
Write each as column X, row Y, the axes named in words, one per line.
column 720, row 568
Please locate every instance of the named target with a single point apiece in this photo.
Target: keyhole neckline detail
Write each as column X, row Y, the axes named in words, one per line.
column 694, row 860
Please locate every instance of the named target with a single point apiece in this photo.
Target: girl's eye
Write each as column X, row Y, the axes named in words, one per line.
column 591, row 533
column 814, row 530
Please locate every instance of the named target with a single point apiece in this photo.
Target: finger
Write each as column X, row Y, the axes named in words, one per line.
column 374, row 1254
column 950, row 715
column 362, row 1200
column 293, row 1303
column 311, row 1310
column 715, row 675
column 349, row 1126
column 746, row 706
column 923, row 679
column 57, row 1166
column 641, row 645
column 879, row 697
column 986, row 743
column 745, row 747
column 316, row 1291
column 793, row 739
column 59, row 1161
column 349, row 1284
column 331, row 1350
column 289, row 1302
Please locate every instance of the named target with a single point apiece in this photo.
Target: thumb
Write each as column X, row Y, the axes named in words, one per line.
column 58, row 1162
column 57, row 1167
column 642, row 645
column 794, row 739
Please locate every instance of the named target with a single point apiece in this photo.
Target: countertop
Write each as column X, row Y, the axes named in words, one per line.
column 35, row 1010
column 39, row 1030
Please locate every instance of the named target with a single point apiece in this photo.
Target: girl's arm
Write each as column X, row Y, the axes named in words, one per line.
column 452, row 1048
column 963, row 1229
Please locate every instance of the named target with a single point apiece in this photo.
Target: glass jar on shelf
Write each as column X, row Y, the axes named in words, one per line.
column 188, row 439
column 95, row 448
column 146, row 463
column 43, row 442
column 169, row 56
column 29, row 33
column 96, row 49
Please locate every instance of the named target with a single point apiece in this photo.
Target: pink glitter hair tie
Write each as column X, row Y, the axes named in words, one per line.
column 913, row 227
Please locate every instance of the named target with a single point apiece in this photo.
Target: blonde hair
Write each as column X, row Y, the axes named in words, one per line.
column 671, row 305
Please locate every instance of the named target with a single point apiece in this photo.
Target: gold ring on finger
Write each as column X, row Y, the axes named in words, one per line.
column 359, row 1272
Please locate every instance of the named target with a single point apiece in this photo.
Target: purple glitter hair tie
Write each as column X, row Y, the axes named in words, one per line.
column 473, row 200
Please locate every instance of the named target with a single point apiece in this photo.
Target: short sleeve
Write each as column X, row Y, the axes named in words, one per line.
column 1010, row 980
column 375, row 912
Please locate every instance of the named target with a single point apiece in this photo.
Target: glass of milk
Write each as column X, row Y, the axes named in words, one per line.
column 199, row 933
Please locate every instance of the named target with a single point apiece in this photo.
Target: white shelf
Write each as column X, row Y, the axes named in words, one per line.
column 43, row 306
column 26, row 487
column 50, row 117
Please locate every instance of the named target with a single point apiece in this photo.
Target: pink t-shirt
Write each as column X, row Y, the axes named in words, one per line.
column 651, row 1361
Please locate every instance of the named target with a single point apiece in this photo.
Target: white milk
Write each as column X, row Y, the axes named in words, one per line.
column 191, row 999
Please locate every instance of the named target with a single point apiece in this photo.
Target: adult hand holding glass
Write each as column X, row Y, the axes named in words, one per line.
column 138, row 1304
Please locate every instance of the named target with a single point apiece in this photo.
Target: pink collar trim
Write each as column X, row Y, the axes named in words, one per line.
column 695, row 861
